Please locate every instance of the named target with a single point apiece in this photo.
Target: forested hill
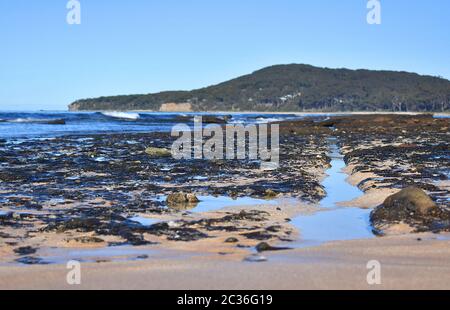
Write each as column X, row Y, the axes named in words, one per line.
column 295, row 87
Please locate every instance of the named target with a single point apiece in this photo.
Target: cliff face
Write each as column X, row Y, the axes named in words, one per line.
column 297, row 88
column 176, row 107
column 75, row 106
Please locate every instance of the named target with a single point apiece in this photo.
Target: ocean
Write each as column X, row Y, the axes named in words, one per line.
column 58, row 123
column 44, row 124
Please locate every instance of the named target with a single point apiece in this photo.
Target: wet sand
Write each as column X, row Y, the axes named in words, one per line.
column 406, row 263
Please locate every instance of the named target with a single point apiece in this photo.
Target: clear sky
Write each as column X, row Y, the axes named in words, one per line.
column 143, row 46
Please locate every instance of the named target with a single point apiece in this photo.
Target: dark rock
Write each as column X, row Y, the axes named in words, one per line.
column 328, row 123
column 33, row 206
column 274, row 228
column 413, row 207
column 176, row 234
column 411, row 199
column 252, row 215
column 155, row 152
column 135, row 240
column 79, row 224
column 270, row 194
column 86, row 240
column 181, row 198
column 232, row 240
column 264, row 247
column 258, row 235
column 25, row 251
column 211, row 119
column 31, row 260
column 142, row 257
column 5, row 235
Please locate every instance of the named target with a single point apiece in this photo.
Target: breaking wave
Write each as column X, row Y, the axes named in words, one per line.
column 122, row 115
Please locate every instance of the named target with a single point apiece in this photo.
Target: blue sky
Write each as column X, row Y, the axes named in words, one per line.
column 142, row 46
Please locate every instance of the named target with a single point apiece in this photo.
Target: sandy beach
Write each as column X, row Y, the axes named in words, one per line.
column 406, row 263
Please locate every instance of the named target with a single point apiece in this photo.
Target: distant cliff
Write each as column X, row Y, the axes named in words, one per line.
column 293, row 88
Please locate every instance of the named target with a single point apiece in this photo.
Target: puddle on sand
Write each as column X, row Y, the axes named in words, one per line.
column 334, row 223
column 112, row 253
column 144, row 221
column 122, row 253
column 211, row 203
column 443, row 237
column 215, row 203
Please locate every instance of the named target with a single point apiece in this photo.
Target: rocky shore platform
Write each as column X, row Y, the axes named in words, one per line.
column 95, row 191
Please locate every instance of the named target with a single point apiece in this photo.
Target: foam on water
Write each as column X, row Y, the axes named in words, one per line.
column 122, row 115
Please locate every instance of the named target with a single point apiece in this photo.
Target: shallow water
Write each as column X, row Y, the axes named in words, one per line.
column 336, row 185
column 215, row 203
column 112, row 253
column 144, row 221
column 441, row 115
column 334, row 223
column 120, row 253
column 211, row 203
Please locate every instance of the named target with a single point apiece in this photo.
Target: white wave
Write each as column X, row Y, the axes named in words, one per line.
column 29, row 120
column 22, row 120
column 262, row 120
column 122, row 115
